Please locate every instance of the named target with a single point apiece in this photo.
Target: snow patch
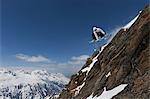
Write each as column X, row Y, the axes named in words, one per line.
column 94, row 60
column 110, row 93
column 87, row 69
column 102, row 48
column 108, row 74
column 77, row 90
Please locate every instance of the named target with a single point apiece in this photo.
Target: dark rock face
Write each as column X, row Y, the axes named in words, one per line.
column 127, row 57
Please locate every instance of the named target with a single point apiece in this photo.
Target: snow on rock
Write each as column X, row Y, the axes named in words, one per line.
column 77, row 90
column 108, row 74
column 110, row 93
column 94, row 60
column 102, row 48
column 131, row 22
column 23, row 84
column 87, row 69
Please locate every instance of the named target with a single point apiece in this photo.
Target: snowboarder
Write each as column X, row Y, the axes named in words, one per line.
column 97, row 34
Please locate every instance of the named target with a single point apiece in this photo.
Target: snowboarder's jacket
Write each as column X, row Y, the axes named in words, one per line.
column 97, row 33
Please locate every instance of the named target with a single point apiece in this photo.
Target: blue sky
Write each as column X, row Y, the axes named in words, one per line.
column 57, row 31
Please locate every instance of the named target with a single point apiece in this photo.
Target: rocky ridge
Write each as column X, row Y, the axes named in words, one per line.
column 125, row 60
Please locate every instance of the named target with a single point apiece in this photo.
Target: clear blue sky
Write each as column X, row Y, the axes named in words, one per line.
column 58, row 29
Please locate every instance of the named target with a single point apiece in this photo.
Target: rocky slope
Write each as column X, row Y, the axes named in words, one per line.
column 24, row 84
column 123, row 66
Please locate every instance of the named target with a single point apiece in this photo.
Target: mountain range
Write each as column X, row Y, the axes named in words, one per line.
column 27, row 84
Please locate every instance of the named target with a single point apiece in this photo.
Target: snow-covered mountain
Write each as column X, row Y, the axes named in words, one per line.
column 25, row 84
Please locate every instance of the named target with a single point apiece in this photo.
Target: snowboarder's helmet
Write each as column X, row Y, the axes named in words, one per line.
column 94, row 28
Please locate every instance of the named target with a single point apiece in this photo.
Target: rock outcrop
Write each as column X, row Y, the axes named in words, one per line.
column 125, row 60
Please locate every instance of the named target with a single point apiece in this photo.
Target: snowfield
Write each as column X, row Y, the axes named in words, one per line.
column 110, row 93
column 23, row 84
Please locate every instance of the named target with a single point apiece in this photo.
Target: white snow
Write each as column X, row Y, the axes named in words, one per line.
column 87, row 69
column 22, row 83
column 110, row 93
column 108, row 74
column 52, row 97
column 11, row 78
column 77, row 90
column 94, row 60
column 131, row 22
column 76, row 82
column 102, row 48
column 47, row 97
column 56, row 96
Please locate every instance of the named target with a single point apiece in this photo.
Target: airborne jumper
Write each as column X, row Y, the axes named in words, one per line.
column 97, row 34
